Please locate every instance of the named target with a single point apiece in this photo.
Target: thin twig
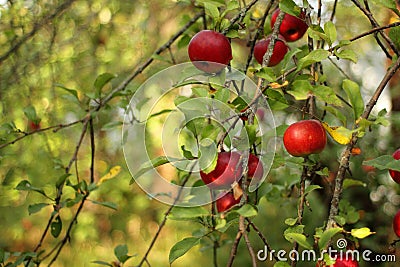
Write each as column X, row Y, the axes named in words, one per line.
column 262, row 237
column 345, row 157
column 375, row 24
column 142, row 67
column 36, row 27
column 162, row 224
column 55, row 128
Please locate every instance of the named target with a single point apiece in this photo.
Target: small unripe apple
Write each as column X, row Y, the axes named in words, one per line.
column 228, row 170
column 341, row 262
column 225, row 201
column 292, row 28
column 209, row 46
column 396, row 224
column 395, row 174
column 255, row 167
column 279, row 52
column 305, row 137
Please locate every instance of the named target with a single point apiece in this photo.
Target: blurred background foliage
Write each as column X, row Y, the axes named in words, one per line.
column 72, row 48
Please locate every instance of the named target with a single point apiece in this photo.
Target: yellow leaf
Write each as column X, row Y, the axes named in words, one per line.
column 276, row 85
column 340, row 134
column 361, row 232
column 114, row 171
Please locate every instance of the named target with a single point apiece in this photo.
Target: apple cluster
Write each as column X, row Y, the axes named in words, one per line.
column 291, row 29
column 207, row 47
column 227, row 174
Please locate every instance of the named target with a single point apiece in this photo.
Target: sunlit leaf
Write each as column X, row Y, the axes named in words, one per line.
column 301, row 239
column 102, row 80
column 340, row 134
column 330, row 31
column 314, row 56
column 158, row 161
column 33, row 208
column 247, row 210
column 327, row 235
column 183, row 246
column 361, row 233
column 354, row 95
column 114, row 171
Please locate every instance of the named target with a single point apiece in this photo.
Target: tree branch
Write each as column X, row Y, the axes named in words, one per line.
column 345, row 157
column 35, row 29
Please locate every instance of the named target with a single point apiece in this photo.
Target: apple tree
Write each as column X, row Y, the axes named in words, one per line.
column 251, row 128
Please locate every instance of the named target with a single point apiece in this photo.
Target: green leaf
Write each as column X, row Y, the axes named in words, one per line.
column 354, row 95
column 346, row 54
column 179, row 213
column 183, row 41
column 102, row 80
column 161, row 160
column 299, row 238
column 27, row 186
column 281, row 264
column 327, row 235
column 61, row 180
column 300, row 89
column 212, row 10
column 311, row 188
column 327, row 94
column 121, row 252
column 337, row 113
column 394, row 34
column 71, row 91
column 266, row 73
column 183, row 246
column 33, row 208
column 351, row 182
column 340, row 220
column 386, row 162
column 208, row 155
column 290, row 7
column 102, row 263
column 291, row 221
column 56, row 226
column 30, row 113
column 314, row 56
column 247, row 210
column 106, row 204
column 330, row 31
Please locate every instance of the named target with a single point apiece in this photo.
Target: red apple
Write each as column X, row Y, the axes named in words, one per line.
column 292, row 28
column 255, row 167
column 279, row 52
column 341, row 262
column 396, row 223
column 210, row 46
column 33, row 125
column 305, row 137
column 228, row 170
column 395, row 174
column 225, row 201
